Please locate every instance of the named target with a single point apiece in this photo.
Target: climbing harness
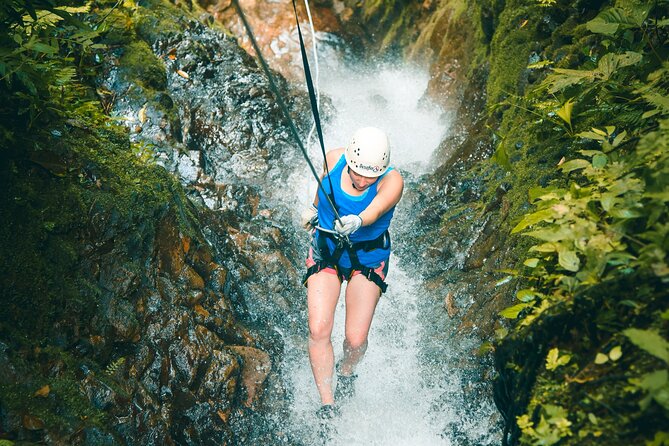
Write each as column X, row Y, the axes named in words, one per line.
column 341, row 243
column 331, row 259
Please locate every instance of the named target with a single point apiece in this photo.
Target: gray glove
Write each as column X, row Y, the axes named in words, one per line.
column 309, row 218
column 349, row 224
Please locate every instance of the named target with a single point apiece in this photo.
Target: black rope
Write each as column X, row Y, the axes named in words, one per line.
column 312, row 99
column 282, row 105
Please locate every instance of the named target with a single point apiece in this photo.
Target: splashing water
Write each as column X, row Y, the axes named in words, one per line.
column 391, row 405
column 400, row 395
column 384, row 95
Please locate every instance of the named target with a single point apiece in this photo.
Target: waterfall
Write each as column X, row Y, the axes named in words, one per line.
column 404, row 395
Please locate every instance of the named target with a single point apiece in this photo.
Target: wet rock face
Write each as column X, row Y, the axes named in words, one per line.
column 274, row 27
column 214, row 123
column 184, row 295
column 185, row 374
column 217, row 126
column 164, row 357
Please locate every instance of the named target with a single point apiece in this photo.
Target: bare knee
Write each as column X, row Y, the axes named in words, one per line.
column 319, row 332
column 356, row 342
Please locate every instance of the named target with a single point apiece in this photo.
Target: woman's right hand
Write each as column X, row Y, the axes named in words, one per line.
column 309, row 218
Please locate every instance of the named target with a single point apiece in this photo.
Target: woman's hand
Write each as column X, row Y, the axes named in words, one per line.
column 348, row 225
column 309, row 218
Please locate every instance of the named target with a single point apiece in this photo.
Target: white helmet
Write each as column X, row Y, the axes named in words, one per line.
column 368, row 153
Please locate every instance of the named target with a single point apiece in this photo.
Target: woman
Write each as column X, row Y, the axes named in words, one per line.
column 355, row 248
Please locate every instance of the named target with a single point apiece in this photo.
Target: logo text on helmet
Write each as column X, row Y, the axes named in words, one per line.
column 372, row 168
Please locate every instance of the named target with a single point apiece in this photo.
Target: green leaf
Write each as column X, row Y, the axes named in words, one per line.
column 659, row 100
column 601, row 358
column 618, row 139
column 552, row 234
column 527, row 295
column 576, row 164
column 544, row 247
column 485, row 347
column 651, row 113
column 610, row 62
column 601, row 26
column 565, row 111
column 543, row 193
column 531, row 263
column 75, row 10
column 553, row 360
column 505, row 279
column 650, row 341
column 534, row 218
column 599, row 161
column 501, row 156
column 43, row 48
column 608, row 22
column 616, row 353
column 563, row 78
column 590, row 152
column 568, row 260
column 514, row 311
column 591, row 135
column 625, row 213
column 657, row 385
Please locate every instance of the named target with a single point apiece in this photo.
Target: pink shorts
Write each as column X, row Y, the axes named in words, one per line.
column 348, row 273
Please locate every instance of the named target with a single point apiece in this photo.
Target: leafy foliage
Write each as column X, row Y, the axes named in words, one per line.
column 43, row 50
column 601, row 224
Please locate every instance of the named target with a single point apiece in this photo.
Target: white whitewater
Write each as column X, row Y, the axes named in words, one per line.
column 398, row 400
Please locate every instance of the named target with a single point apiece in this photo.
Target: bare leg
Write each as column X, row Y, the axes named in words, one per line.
column 362, row 296
column 322, row 296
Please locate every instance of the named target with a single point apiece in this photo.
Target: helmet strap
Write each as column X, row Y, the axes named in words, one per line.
column 348, row 171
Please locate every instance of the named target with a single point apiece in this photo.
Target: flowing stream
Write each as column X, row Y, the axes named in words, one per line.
column 404, row 394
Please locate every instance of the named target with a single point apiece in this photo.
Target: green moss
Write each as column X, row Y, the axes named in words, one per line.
column 514, row 40
column 52, row 213
column 158, row 19
column 118, row 27
column 139, row 64
column 64, row 408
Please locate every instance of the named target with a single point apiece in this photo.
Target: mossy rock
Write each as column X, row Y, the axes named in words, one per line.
column 158, row 19
column 118, row 27
column 139, row 64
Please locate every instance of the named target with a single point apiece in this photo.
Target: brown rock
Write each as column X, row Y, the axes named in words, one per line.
column 32, row 423
column 256, row 365
column 449, row 303
column 199, row 309
column 221, row 377
column 170, row 249
column 185, row 242
column 193, row 279
column 274, row 27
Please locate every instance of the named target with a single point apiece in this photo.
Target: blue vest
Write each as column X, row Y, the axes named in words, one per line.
column 352, row 204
